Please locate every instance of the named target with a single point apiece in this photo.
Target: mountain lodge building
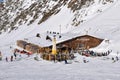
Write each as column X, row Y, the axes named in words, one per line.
column 77, row 43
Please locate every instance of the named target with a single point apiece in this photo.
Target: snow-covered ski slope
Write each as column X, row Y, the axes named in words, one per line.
column 29, row 69
column 105, row 26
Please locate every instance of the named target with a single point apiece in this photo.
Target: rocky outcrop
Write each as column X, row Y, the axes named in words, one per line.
column 17, row 12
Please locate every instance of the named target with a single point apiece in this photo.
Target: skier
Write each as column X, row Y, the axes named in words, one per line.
column 11, row 59
column 85, row 61
column 113, row 59
column 54, row 58
column 15, row 55
column 6, row 59
column 0, row 56
column 117, row 58
column 65, row 59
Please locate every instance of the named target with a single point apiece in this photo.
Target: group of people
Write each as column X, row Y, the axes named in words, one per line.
column 58, row 57
column 14, row 56
column 21, row 52
column 48, row 33
column 92, row 53
column 54, row 34
column 7, row 59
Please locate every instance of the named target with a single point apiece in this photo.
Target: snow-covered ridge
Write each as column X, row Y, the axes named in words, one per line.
column 74, row 12
column 62, row 22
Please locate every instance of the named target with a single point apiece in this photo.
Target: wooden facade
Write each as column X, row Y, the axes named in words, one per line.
column 84, row 42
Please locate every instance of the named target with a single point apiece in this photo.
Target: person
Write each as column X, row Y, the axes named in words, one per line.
column 6, row 59
column 60, row 36
column 15, row 55
column 36, row 58
column 11, row 59
column 38, row 35
column 65, row 59
column 117, row 58
column 85, row 61
column 113, row 58
column 29, row 53
column 0, row 56
column 54, row 58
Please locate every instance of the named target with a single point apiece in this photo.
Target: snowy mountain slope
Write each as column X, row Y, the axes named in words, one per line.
column 62, row 20
column 105, row 26
column 74, row 12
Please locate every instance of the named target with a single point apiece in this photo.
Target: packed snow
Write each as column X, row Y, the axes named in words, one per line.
column 29, row 69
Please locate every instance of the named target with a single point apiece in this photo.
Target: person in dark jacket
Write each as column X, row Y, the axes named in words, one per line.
column 117, row 58
column 6, row 59
column 85, row 61
column 11, row 59
column 0, row 56
column 65, row 59
column 15, row 55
